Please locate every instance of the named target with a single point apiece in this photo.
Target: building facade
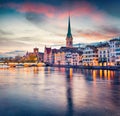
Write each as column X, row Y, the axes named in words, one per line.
column 104, row 54
column 117, row 50
column 90, row 56
column 114, row 51
column 68, row 56
column 47, row 55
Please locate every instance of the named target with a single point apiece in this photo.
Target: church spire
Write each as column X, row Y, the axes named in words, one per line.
column 69, row 39
column 69, row 29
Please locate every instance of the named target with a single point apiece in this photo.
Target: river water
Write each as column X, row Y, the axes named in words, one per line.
column 46, row 91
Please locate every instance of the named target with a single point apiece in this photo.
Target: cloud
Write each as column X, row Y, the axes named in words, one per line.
column 13, row 53
column 4, row 41
column 50, row 11
column 101, row 33
column 39, row 8
column 36, row 19
column 91, row 35
column 110, row 30
column 2, row 32
column 42, row 22
column 84, row 9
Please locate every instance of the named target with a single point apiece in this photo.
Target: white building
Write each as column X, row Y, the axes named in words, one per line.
column 90, row 56
column 117, row 50
column 72, row 58
column 68, row 56
column 114, row 51
column 104, row 54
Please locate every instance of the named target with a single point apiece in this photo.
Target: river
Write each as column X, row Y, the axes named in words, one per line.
column 48, row 91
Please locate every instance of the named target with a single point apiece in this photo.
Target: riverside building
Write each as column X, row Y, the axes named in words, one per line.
column 90, row 56
column 103, row 54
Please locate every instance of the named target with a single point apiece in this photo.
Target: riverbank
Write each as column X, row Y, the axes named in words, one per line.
column 90, row 67
column 62, row 66
column 7, row 65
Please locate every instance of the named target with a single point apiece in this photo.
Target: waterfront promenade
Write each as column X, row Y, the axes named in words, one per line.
column 64, row 66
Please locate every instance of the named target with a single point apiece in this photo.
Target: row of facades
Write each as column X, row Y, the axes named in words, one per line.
column 103, row 54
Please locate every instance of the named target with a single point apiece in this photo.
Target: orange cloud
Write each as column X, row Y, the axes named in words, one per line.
column 34, row 8
column 77, row 9
column 84, row 9
column 105, row 33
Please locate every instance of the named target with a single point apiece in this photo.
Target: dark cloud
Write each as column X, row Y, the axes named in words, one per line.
column 109, row 6
column 37, row 19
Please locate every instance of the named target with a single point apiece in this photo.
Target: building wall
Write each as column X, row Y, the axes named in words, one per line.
column 47, row 57
column 60, row 58
column 90, row 57
column 66, row 58
column 69, row 42
column 117, row 50
column 114, row 51
column 103, row 56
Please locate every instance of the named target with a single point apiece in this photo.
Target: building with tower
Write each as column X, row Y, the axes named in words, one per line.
column 36, row 50
column 69, row 38
column 34, row 56
column 68, row 55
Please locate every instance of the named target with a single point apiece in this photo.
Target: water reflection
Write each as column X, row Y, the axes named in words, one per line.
column 36, row 70
column 101, row 74
column 69, row 73
column 65, row 92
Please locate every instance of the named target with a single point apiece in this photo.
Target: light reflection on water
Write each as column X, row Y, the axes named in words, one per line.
column 59, row 92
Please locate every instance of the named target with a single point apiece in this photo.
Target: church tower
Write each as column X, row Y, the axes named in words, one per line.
column 69, row 39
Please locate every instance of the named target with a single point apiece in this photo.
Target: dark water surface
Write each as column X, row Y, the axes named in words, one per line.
column 49, row 91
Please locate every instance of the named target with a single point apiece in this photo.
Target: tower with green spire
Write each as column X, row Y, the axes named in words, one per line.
column 69, row 39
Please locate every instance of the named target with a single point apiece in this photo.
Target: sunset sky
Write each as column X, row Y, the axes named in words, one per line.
column 25, row 24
